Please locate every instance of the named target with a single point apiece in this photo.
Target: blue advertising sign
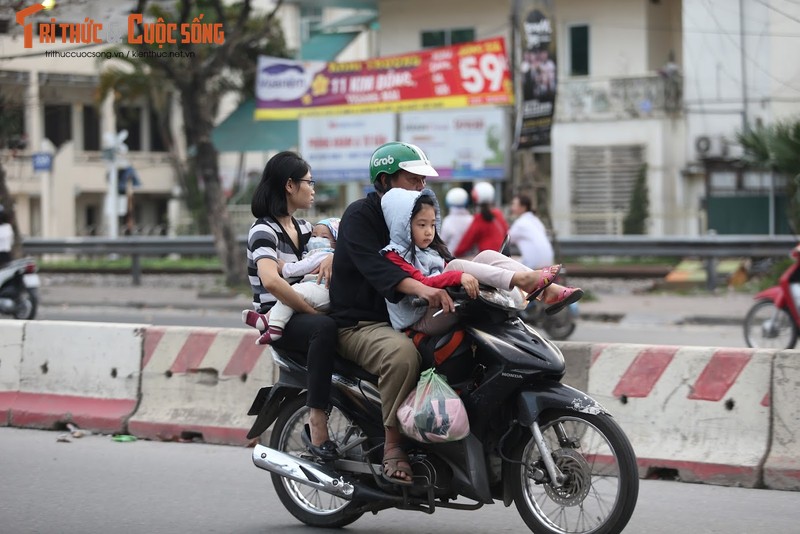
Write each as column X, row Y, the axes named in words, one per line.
column 42, row 161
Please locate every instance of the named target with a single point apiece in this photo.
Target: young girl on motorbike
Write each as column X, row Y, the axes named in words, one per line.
column 413, row 220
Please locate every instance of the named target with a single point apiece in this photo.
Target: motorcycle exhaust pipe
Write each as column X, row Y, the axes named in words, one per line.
column 300, row 470
column 312, row 474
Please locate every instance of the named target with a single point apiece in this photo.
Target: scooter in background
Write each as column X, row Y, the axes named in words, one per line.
column 774, row 320
column 19, row 288
column 559, row 326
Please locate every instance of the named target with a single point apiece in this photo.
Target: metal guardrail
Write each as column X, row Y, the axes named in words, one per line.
column 709, row 248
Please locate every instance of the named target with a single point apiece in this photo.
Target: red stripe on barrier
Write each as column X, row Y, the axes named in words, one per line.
column 597, row 350
column 151, row 338
column 177, row 431
column 6, row 402
column 193, row 351
column 245, row 357
column 719, row 374
column 40, row 410
column 766, row 401
column 642, row 375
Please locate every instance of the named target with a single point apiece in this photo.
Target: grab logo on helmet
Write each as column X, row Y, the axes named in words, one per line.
column 388, row 160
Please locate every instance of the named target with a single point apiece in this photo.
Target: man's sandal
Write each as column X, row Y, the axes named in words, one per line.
column 391, row 465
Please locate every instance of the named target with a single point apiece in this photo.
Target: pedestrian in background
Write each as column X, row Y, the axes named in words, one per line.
column 6, row 237
column 488, row 228
column 458, row 217
column 529, row 234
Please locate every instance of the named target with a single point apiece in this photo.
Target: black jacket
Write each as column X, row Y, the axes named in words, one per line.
column 362, row 278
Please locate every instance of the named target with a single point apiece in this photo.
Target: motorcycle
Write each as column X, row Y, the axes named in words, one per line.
column 774, row 320
column 552, row 450
column 559, row 326
column 19, row 289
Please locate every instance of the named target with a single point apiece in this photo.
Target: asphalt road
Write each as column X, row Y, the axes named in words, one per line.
column 96, row 485
column 586, row 331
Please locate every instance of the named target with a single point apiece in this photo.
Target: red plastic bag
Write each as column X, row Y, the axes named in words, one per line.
column 433, row 412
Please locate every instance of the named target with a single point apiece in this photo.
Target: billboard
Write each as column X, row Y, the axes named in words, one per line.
column 339, row 148
column 464, row 144
column 536, row 71
column 464, row 75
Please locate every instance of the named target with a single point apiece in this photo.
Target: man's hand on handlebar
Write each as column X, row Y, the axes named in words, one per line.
column 437, row 298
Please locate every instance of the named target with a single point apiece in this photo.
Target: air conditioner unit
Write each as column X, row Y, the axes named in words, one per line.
column 710, row 146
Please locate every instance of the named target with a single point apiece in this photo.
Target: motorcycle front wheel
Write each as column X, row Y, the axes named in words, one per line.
column 310, row 505
column 602, row 481
column 769, row 327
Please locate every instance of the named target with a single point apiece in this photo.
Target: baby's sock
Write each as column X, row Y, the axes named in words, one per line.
column 273, row 334
column 255, row 319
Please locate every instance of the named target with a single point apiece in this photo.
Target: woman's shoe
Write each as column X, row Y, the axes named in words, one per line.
column 565, row 297
column 547, row 276
column 327, row 451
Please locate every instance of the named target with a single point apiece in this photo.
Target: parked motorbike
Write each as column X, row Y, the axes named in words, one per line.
column 559, row 326
column 545, row 446
column 774, row 320
column 19, row 288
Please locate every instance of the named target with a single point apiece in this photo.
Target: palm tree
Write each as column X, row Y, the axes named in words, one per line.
column 776, row 148
column 200, row 77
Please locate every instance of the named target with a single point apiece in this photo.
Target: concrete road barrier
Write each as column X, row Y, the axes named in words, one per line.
column 782, row 468
column 700, row 412
column 199, row 383
column 11, row 337
column 81, row 373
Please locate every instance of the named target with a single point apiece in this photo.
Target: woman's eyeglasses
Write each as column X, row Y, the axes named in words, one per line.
column 310, row 182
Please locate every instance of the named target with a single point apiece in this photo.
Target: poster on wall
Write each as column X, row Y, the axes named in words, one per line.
column 537, row 72
column 339, row 148
column 464, row 75
column 461, row 144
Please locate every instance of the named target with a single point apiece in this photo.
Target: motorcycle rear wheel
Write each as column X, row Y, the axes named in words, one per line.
column 309, row 505
column 27, row 303
column 603, row 482
column 768, row 327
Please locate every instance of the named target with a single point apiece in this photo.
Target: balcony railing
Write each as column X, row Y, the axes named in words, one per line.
column 593, row 99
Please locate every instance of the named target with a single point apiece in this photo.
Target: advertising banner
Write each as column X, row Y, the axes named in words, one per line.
column 537, row 72
column 461, row 144
column 465, row 75
column 339, row 148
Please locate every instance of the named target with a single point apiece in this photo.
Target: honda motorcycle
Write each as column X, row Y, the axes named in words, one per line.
column 774, row 320
column 552, row 450
column 19, row 289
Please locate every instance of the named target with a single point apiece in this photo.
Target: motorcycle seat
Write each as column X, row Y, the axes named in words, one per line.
column 341, row 365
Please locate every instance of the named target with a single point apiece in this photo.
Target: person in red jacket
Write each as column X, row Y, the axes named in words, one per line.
column 488, row 229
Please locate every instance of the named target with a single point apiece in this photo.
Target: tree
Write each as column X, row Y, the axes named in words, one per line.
column 201, row 74
column 776, row 148
column 10, row 133
column 639, row 208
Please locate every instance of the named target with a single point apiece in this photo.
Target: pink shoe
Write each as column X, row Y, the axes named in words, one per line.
column 273, row 334
column 547, row 276
column 255, row 319
column 565, row 297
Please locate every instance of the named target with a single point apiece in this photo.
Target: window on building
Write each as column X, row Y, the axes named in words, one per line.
column 435, row 38
column 310, row 18
column 602, row 180
column 157, row 143
column 91, row 128
column 58, row 123
column 130, row 118
column 579, row 50
column 12, row 134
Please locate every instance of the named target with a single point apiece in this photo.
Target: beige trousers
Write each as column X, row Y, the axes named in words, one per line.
column 383, row 351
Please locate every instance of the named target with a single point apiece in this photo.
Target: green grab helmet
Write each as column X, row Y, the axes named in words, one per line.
column 391, row 157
